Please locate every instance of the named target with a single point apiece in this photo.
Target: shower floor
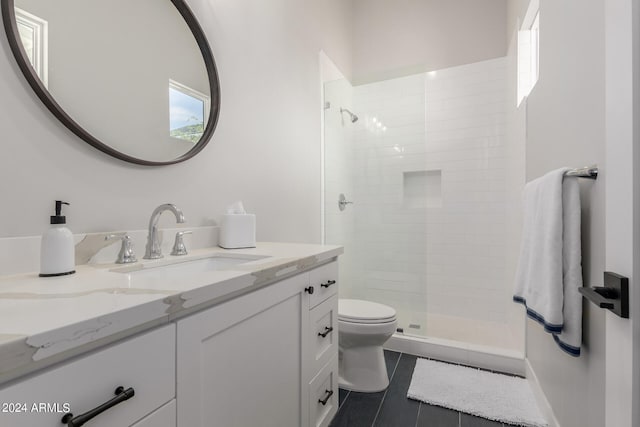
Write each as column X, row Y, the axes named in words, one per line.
column 472, row 331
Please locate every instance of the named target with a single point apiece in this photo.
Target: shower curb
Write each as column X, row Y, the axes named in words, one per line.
column 484, row 357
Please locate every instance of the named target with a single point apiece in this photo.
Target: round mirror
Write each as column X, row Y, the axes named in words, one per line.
column 135, row 79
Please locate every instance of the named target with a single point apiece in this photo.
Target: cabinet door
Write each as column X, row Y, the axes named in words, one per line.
column 145, row 363
column 240, row 363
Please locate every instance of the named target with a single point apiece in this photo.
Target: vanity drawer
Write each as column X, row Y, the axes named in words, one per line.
column 145, row 363
column 323, row 393
column 323, row 327
column 324, row 280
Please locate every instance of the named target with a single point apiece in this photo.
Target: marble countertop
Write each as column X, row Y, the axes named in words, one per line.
column 46, row 320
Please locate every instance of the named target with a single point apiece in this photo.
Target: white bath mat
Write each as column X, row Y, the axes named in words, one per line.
column 494, row 396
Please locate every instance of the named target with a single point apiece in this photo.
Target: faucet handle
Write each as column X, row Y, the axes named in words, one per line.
column 178, row 246
column 126, row 254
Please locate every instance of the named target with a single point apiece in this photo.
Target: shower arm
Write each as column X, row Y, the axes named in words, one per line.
column 354, row 118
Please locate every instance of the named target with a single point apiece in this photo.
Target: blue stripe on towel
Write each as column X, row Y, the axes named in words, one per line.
column 549, row 327
column 571, row 350
column 553, row 329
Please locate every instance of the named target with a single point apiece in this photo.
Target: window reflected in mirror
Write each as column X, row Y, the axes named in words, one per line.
column 187, row 111
column 34, row 35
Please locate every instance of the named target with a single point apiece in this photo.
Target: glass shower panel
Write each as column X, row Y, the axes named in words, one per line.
column 391, row 175
column 465, row 121
column 339, row 224
column 377, row 163
column 425, row 165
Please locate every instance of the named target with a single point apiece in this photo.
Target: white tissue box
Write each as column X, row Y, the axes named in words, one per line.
column 237, row 231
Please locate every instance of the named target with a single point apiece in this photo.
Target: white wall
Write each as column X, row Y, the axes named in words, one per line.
column 516, row 11
column 565, row 127
column 402, row 37
column 265, row 150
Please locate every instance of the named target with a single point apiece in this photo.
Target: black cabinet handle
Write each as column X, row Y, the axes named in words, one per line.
column 327, row 330
column 309, row 290
column 326, row 398
column 80, row 420
column 329, row 283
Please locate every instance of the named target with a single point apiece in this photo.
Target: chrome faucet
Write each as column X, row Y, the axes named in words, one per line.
column 153, row 250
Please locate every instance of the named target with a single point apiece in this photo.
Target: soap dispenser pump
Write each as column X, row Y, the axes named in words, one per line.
column 57, row 249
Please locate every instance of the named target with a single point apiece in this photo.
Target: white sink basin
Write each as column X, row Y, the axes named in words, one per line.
column 186, row 267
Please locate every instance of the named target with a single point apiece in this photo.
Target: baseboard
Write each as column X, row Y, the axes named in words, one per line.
column 541, row 399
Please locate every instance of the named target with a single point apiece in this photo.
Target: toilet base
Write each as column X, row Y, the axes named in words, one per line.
column 363, row 369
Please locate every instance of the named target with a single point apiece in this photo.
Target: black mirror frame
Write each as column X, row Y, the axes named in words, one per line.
column 11, row 29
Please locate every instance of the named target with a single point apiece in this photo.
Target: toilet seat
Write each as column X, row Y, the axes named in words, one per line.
column 364, row 312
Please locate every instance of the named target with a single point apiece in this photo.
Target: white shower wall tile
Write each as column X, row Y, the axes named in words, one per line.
column 449, row 259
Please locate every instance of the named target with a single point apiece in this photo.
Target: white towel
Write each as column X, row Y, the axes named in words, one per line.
column 549, row 270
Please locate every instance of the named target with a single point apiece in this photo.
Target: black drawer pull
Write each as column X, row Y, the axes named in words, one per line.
column 329, row 283
column 326, row 399
column 309, row 290
column 327, row 331
column 80, row 420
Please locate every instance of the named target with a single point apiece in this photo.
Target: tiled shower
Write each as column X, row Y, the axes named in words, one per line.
column 427, row 168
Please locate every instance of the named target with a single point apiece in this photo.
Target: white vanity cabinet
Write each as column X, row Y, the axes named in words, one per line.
column 268, row 358
column 145, row 363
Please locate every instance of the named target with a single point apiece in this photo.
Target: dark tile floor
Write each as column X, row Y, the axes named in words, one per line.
column 392, row 408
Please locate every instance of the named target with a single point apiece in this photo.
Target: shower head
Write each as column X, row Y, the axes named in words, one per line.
column 354, row 118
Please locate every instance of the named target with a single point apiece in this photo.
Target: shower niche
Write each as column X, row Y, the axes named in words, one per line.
column 422, row 189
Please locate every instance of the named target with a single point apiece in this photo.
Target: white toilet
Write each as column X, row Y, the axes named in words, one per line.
column 363, row 327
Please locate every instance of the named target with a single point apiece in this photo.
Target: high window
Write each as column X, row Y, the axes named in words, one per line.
column 529, row 51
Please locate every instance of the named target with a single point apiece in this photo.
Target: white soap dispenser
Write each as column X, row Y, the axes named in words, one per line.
column 57, row 250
